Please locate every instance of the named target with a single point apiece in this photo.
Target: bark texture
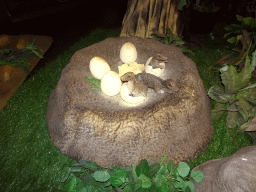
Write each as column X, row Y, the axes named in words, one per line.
column 144, row 17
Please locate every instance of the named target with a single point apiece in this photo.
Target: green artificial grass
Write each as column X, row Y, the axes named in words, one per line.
column 28, row 159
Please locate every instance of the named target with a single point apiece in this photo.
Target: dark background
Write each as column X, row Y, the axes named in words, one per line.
column 66, row 21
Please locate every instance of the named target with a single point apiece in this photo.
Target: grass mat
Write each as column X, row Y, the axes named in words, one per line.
column 28, row 159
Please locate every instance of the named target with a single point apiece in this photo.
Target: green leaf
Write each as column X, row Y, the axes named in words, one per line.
column 118, row 178
column 166, row 41
column 143, row 168
column 197, row 175
column 217, row 93
column 162, row 161
column 248, row 93
column 234, row 81
column 75, row 169
column 170, row 167
column 190, row 185
column 239, row 18
column 176, row 173
column 146, row 183
column 89, row 165
column 37, row 54
column 232, row 117
column 166, row 186
column 101, row 176
column 153, row 188
column 171, row 36
column 183, row 169
column 95, row 82
column 132, row 186
column 249, row 21
column 244, row 126
column 179, row 184
column 72, row 184
column 244, row 107
column 96, row 88
column 249, row 87
column 158, row 37
column 179, row 41
column 163, row 170
column 245, row 74
column 253, row 64
column 232, row 40
column 218, row 110
column 185, row 50
column 159, row 179
column 183, row 3
column 234, row 28
column 153, row 169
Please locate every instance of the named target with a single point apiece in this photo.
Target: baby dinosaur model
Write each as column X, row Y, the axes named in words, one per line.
column 158, row 58
column 155, row 82
column 139, row 84
column 135, row 89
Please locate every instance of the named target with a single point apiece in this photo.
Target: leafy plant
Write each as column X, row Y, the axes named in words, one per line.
column 88, row 176
column 95, row 82
column 20, row 57
column 246, row 34
column 205, row 5
column 171, row 39
column 237, row 96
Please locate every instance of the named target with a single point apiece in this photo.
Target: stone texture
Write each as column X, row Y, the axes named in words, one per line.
column 86, row 124
column 236, row 173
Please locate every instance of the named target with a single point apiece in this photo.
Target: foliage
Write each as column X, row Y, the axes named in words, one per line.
column 88, row 176
column 238, row 97
column 171, row 39
column 95, row 82
column 20, row 57
column 246, row 34
column 204, row 6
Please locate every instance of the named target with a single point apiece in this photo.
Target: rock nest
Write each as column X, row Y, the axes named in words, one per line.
column 235, row 173
column 86, row 124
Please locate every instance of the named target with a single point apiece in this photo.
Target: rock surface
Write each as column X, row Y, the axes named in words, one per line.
column 86, row 124
column 236, row 173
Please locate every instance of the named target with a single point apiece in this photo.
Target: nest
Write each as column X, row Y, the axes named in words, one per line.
column 87, row 125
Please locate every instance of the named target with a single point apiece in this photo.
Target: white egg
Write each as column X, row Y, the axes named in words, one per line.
column 157, row 71
column 99, row 67
column 128, row 53
column 111, row 83
column 124, row 93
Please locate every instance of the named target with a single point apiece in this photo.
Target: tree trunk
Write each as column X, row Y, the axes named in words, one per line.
column 144, row 17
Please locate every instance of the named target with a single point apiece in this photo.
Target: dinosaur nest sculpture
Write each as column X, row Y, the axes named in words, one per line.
column 87, row 124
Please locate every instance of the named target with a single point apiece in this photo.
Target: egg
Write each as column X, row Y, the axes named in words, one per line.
column 99, row 67
column 128, row 53
column 124, row 93
column 157, row 71
column 111, row 83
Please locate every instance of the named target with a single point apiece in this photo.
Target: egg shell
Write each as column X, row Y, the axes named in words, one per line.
column 128, row 53
column 124, row 93
column 111, row 83
column 137, row 68
column 157, row 71
column 124, row 69
column 99, row 67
